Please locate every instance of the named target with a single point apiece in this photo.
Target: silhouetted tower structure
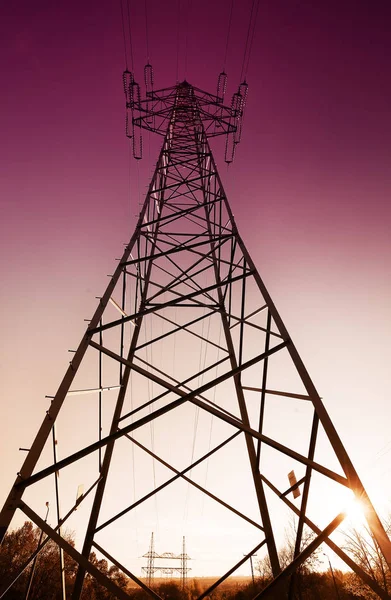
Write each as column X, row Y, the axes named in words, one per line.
column 150, row 568
column 186, row 286
column 184, row 568
column 162, row 565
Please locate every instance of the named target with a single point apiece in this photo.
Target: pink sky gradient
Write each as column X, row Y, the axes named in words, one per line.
column 310, row 189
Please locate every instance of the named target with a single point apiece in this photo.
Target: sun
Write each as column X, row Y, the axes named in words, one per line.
column 355, row 512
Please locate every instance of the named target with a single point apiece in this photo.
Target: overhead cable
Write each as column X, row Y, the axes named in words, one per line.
column 187, row 34
column 130, row 38
column 146, row 29
column 123, row 33
column 249, row 38
column 252, row 39
column 228, row 34
column 177, row 40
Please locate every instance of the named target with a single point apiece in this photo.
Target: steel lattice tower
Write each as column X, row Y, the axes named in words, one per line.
column 186, row 285
column 164, row 568
column 150, row 568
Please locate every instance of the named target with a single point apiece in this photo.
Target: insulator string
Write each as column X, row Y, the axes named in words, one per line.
column 123, row 33
column 228, row 34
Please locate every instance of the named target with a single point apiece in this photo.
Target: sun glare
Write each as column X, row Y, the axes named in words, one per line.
column 355, row 511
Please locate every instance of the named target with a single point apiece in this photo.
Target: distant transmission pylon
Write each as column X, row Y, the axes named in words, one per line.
column 150, row 568
column 184, row 568
column 177, row 567
column 186, row 326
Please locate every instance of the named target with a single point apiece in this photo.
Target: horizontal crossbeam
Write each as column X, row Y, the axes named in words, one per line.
column 174, row 302
column 191, row 396
column 180, row 474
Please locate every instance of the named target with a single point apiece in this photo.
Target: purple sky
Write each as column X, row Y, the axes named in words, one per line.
column 310, row 188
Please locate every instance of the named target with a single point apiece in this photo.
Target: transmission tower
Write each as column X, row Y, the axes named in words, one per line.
column 186, row 287
column 150, row 568
column 184, row 569
column 165, row 568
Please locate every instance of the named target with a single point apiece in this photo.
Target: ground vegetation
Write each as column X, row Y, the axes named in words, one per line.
column 311, row 582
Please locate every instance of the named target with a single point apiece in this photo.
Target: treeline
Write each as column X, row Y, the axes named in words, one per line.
column 310, row 583
column 15, row 551
column 314, row 586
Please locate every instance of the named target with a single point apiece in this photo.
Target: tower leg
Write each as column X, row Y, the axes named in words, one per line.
column 159, row 176
column 266, row 522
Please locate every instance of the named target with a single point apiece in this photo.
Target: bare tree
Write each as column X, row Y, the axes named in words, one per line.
column 286, row 553
column 15, row 552
column 365, row 551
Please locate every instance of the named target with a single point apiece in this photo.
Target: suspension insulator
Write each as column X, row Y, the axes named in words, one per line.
column 236, row 115
column 236, row 105
column 243, row 91
column 128, row 123
column 135, row 96
column 136, row 131
column 230, row 148
column 128, row 81
column 221, row 85
column 239, row 127
column 148, row 78
column 137, row 144
column 231, row 141
column 137, row 141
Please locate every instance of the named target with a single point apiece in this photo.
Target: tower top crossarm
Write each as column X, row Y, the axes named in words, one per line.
column 155, row 111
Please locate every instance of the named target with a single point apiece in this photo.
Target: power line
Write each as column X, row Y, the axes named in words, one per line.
column 252, row 39
column 228, row 34
column 177, row 39
column 187, row 34
column 130, row 38
column 146, row 29
column 250, row 31
column 123, row 33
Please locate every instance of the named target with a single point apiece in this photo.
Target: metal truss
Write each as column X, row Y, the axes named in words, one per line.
column 186, row 287
column 182, row 569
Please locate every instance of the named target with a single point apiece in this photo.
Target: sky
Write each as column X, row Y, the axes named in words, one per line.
column 310, row 189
